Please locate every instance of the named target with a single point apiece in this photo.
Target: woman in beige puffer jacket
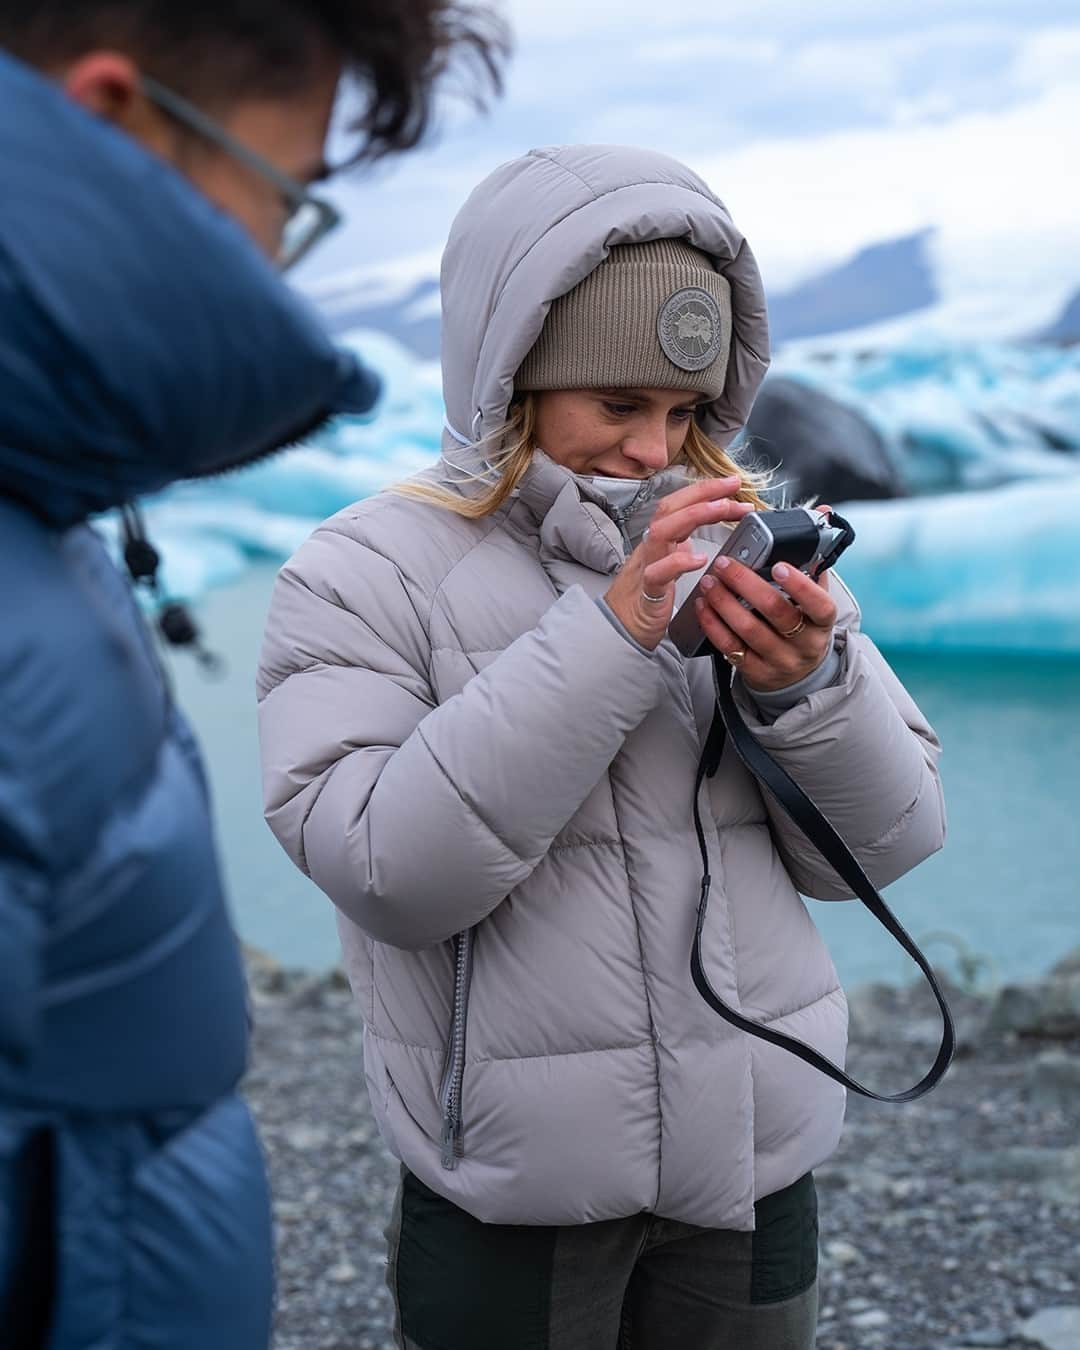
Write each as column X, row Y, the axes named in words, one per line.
column 476, row 742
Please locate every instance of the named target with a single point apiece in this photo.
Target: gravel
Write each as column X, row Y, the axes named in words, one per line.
column 952, row 1222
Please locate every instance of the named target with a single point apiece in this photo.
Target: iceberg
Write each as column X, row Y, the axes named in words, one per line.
column 980, row 571
column 208, row 532
column 956, row 416
column 985, row 556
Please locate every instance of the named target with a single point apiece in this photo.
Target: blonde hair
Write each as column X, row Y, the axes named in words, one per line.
column 510, row 450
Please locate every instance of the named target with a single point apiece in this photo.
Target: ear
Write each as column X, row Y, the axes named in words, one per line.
column 106, row 84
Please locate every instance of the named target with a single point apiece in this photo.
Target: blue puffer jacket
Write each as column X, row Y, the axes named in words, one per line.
column 142, row 339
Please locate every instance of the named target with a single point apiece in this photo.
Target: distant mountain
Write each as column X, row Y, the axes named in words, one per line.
column 884, row 281
column 1066, row 327
column 880, row 291
column 409, row 312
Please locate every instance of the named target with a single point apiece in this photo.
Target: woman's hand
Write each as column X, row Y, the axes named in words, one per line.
column 642, row 596
column 787, row 637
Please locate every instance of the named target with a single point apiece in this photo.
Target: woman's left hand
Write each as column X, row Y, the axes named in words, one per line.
column 785, row 639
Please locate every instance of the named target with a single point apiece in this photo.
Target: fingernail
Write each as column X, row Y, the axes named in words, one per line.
column 780, row 571
column 722, row 562
column 699, row 559
column 707, row 583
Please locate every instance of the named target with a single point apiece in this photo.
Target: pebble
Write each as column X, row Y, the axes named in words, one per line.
column 1054, row 1329
column 873, row 1317
column 304, row 1137
column 1047, row 1008
column 1055, row 1081
column 343, row 1273
column 954, row 1219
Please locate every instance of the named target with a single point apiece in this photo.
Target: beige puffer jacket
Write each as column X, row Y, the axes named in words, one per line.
column 494, row 786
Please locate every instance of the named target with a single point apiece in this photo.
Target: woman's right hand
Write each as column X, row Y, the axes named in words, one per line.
column 665, row 554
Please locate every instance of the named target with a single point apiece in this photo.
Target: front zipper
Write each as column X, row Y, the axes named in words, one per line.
column 622, row 518
column 453, row 1147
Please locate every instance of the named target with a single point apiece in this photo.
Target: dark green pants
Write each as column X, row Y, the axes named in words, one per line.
column 640, row 1283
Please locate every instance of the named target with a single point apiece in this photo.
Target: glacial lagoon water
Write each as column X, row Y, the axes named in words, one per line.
column 1006, row 888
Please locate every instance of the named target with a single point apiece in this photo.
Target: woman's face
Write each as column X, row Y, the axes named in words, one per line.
column 614, row 433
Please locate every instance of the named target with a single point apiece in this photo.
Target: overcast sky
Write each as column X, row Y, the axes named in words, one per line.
column 823, row 127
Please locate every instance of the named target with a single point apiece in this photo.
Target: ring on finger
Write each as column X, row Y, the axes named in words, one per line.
column 653, row 599
column 793, row 632
column 735, row 658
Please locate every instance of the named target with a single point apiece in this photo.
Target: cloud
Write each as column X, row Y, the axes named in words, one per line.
column 1048, row 57
column 826, row 129
column 711, row 49
column 665, row 77
column 1000, row 188
column 567, row 21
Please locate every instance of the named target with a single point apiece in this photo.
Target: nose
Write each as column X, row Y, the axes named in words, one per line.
column 648, row 446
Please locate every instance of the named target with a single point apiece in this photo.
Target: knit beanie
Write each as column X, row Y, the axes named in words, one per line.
column 650, row 316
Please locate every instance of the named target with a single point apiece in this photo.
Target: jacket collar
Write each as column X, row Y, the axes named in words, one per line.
column 143, row 338
column 570, row 518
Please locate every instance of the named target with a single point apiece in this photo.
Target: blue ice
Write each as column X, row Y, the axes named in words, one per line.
column 995, row 571
column 985, row 556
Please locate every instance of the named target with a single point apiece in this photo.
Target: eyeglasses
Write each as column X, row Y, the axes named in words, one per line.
column 308, row 219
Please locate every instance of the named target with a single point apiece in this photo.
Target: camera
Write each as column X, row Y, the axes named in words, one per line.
column 807, row 539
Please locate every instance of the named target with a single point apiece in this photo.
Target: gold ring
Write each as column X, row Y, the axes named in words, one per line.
column 653, row 599
column 797, row 629
column 735, row 658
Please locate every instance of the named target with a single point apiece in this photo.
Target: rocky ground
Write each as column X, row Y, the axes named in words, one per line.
column 951, row 1222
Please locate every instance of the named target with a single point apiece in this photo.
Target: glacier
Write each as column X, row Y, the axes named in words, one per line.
column 984, row 556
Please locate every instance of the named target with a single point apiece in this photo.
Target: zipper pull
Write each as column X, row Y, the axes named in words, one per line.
column 452, row 1143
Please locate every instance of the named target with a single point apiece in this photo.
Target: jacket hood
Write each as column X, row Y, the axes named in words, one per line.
column 539, row 225
column 143, row 337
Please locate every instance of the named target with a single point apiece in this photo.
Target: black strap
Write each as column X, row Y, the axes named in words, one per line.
column 835, row 852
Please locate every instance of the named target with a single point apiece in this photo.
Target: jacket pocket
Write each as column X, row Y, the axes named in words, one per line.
column 200, row 1250
column 453, row 1076
column 164, row 1232
column 785, row 1244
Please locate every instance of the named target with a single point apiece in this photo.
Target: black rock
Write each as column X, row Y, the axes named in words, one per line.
column 818, row 447
column 1047, row 1009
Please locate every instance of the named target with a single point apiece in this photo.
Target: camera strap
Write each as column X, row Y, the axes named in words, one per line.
column 729, row 725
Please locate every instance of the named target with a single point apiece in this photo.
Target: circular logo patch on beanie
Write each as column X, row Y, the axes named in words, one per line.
column 689, row 329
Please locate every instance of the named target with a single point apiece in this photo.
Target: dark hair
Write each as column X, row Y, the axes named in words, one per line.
column 214, row 51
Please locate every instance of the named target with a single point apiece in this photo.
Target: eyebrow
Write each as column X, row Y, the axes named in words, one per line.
column 639, row 396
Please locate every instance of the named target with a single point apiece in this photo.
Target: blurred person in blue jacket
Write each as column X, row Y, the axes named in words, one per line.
column 156, row 162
